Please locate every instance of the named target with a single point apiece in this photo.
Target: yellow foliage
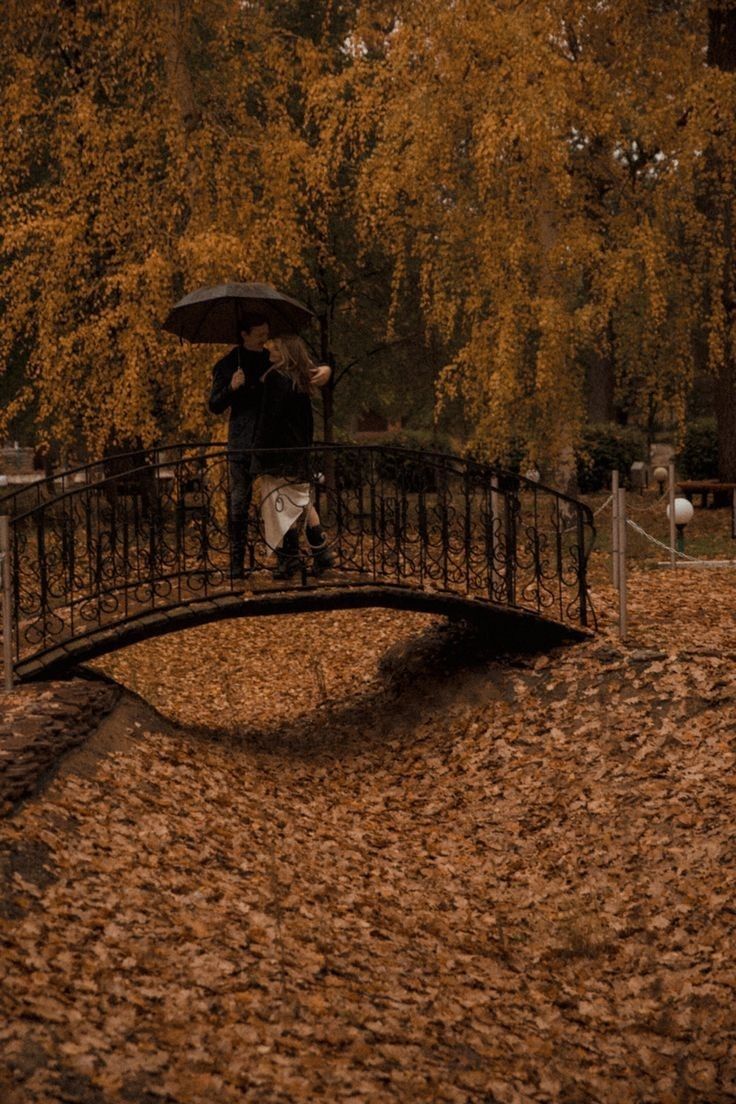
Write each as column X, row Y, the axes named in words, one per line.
column 549, row 181
column 551, row 162
column 146, row 150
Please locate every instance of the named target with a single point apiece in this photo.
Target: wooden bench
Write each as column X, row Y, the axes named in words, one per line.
column 720, row 494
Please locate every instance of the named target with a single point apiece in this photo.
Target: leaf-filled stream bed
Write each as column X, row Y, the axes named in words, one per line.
column 365, row 857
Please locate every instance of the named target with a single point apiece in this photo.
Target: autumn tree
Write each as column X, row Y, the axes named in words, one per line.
column 533, row 160
column 327, row 122
column 719, row 203
column 113, row 164
column 523, row 194
column 150, row 149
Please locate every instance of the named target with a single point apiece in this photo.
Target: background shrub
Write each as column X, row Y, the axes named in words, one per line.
column 411, row 473
column 422, row 440
column 605, row 447
column 511, row 460
column 698, row 457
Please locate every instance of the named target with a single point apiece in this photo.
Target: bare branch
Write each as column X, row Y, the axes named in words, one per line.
column 374, row 352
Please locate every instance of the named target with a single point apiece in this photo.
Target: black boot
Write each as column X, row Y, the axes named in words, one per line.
column 322, row 558
column 287, row 556
column 237, row 562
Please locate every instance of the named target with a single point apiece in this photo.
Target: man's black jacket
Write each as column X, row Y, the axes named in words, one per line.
column 245, row 403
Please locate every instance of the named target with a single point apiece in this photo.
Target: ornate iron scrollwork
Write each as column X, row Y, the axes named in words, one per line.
column 97, row 548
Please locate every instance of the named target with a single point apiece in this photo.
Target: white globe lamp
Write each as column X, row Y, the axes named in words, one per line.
column 683, row 514
column 660, row 475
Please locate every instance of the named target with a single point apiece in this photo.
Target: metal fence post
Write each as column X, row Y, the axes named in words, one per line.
column 5, row 551
column 622, row 611
column 614, row 527
column 671, row 488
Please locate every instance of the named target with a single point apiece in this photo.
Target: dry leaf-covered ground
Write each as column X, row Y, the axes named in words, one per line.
column 402, row 870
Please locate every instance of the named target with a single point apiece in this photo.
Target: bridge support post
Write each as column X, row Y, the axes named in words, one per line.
column 582, row 572
column 496, row 523
column 5, row 554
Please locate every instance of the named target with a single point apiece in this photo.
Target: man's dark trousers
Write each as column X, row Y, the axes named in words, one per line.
column 244, row 407
column 241, row 493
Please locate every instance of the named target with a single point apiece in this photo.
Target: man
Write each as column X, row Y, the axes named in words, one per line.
column 236, row 383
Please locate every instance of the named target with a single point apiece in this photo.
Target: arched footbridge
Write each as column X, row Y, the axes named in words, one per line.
column 139, row 544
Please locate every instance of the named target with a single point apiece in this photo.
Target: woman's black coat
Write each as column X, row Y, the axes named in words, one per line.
column 286, row 422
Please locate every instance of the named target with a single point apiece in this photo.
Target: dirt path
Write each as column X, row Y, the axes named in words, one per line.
column 403, row 870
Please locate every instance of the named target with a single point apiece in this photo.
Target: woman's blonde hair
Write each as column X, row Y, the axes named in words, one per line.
column 296, row 362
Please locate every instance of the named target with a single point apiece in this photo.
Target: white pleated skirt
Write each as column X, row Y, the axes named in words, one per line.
column 282, row 505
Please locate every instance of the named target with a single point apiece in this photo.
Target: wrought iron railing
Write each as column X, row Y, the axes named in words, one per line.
column 146, row 531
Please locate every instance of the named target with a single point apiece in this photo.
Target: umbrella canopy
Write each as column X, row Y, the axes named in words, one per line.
column 214, row 315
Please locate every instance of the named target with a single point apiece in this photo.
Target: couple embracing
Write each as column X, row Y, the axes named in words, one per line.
column 267, row 384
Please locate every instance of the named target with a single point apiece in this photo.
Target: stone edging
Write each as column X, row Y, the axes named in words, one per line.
column 39, row 723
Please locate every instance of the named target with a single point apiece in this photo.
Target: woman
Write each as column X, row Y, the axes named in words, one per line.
column 286, row 423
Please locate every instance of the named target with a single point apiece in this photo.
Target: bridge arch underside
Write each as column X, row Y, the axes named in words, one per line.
column 513, row 628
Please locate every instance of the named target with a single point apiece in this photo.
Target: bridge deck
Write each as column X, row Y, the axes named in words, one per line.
column 513, row 627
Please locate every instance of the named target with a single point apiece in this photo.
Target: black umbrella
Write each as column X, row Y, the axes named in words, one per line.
column 214, row 315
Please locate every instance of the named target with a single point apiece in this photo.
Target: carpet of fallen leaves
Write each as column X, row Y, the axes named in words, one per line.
column 379, row 862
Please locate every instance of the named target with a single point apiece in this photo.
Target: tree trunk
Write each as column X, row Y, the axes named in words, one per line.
column 600, row 388
column 722, row 55
column 326, row 356
column 178, row 76
column 183, row 100
column 726, row 420
column 563, row 464
column 328, row 408
column 722, row 38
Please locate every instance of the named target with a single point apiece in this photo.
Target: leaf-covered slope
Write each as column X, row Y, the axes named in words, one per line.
column 431, row 876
